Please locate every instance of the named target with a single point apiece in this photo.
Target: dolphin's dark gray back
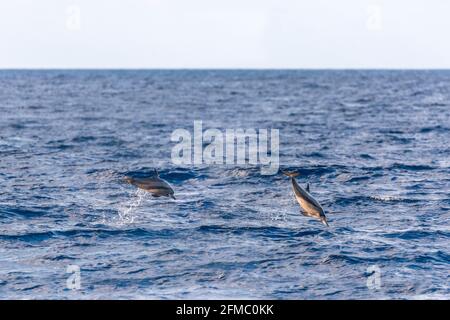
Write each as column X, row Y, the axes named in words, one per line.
column 147, row 183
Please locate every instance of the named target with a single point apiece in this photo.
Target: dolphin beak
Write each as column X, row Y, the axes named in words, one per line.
column 173, row 197
column 324, row 221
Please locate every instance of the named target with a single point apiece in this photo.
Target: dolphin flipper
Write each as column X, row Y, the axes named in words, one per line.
column 307, row 187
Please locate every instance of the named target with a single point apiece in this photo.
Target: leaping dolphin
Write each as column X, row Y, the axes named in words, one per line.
column 155, row 185
column 310, row 206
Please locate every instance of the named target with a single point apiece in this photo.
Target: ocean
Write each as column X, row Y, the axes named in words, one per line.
column 373, row 145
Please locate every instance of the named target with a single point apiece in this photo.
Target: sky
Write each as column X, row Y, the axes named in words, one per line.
column 225, row 34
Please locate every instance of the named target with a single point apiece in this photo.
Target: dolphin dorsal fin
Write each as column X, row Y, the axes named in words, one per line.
column 307, row 187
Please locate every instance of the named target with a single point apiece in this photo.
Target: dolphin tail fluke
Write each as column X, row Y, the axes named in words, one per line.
column 290, row 174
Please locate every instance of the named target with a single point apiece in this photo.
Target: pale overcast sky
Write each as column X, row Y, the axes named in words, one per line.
column 224, row 34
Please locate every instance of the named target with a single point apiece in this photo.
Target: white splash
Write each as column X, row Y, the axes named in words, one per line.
column 126, row 215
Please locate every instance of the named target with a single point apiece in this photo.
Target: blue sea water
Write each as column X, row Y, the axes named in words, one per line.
column 374, row 145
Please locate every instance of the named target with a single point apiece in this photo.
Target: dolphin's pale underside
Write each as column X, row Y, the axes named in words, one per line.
column 310, row 206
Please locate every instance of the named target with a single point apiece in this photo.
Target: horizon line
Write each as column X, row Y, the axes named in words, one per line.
column 216, row 69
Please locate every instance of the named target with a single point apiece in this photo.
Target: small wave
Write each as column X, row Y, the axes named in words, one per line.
column 417, row 234
column 91, row 233
column 363, row 100
column 104, row 174
column 316, row 86
column 110, row 141
column 181, row 175
column 83, row 139
column 175, row 175
column 316, row 155
column 139, row 270
column 32, row 287
column 358, row 178
column 28, row 237
column 438, row 256
column 386, row 198
column 344, row 258
column 358, row 199
column 35, row 107
column 437, row 128
column 411, row 167
column 59, row 257
column 366, row 156
column 417, row 93
column 270, row 232
column 24, row 212
column 437, row 104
